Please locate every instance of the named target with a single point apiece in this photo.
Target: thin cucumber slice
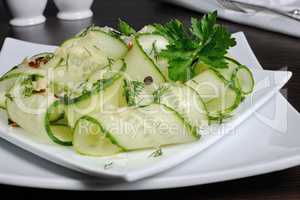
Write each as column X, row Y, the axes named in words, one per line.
column 105, row 95
column 152, row 45
column 112, row 46
column 57, row 112
column 141, row 66
column 79, row 62
column 106, row 100
column 57, row 133
column 208, row 84
column 34, row 64
column 241, row 77
column 147, row 29
column 22, row 70
column 5, row 85
column 109, row 45
column 11, row 74
column 75, row 89
column 46, row 55
column 29, row 112
column 60, row 121
column 69, row 80
column 226, row 73
column 147, row 127
column 217, row 93
column 224, row 105
column 24, row 67
column 91, row 139
column 110, row 71
column 62, row 133
column 2, row 101
column 69, row 43
column 186, row 101
column 34, row 115
column 98, row 81
column 136, row 128
column 33, row 123
column 69, row 76
column 34, row 112
column 46, row 60
column 84, row 55
column 244, row 80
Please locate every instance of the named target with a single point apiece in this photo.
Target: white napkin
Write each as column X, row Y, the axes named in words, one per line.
column 263, row 19
column 283, row 5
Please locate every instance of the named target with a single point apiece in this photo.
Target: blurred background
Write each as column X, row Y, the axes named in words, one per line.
column 106, row 13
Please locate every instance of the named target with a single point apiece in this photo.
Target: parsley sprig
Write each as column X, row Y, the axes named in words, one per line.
column 125, row 28
column 204, row 42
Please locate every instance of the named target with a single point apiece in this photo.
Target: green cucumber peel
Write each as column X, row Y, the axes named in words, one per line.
column 105, row 132
column 48, row 126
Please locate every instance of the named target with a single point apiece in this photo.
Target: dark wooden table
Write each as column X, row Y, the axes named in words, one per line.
column 273, row 50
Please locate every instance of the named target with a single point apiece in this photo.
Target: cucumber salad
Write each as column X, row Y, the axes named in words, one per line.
column 106, row 91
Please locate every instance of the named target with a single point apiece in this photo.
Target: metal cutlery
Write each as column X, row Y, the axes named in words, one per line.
column 241, row 7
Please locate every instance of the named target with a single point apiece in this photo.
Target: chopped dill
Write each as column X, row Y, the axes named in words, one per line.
column 95, row 46
column 194, row 81
column 110, row 62
column 88, row 51
column 132, row 90
column 157, row 94
column 28, row 86
column 67, row 62
column 8, row 95
column 154, row 51
column 158, row 152
column 108, row 164
column 221, row 117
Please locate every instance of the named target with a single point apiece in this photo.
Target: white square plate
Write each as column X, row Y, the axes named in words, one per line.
column 135, row 165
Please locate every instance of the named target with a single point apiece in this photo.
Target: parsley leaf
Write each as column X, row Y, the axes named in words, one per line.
column 180, row 50
column 125, row 28
column 215, row 40
column 204, row 42
column 203, row 28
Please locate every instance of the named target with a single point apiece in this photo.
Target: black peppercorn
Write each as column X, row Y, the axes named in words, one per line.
column 148, row 80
